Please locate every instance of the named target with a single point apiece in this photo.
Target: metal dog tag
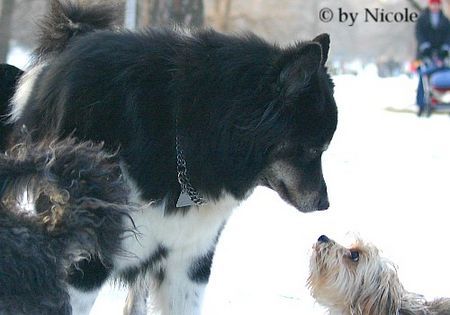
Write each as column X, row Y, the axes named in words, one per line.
column 184, row 200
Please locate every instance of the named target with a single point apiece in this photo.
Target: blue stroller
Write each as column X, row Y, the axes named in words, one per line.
column 433, row 94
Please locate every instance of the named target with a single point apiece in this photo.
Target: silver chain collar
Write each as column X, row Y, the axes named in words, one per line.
column 183, row 177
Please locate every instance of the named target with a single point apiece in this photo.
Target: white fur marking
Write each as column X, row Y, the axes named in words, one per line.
column 26, row 203
column 23, row 92
column 190, row 233
column 187, row 237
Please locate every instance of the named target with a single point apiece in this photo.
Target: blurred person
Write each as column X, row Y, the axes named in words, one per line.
column 433, row 40
column 433, row 31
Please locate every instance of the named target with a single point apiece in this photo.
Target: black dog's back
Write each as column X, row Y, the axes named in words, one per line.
column 211, row 114
column 127, row 89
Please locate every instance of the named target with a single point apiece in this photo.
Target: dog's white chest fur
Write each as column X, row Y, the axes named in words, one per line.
column 184, row 233
column 186, row 237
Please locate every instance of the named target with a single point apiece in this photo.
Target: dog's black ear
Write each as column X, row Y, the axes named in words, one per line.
column 324, row 41
column 297, row 65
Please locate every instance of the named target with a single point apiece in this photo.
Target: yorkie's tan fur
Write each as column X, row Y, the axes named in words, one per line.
column 358, row 281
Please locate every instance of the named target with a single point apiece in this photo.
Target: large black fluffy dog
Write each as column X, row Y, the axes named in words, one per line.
column 9, row 75
column 61, row 205
column 200, row 119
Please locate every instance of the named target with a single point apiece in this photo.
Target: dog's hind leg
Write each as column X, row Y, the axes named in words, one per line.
column 85, row 281
column 82, row 301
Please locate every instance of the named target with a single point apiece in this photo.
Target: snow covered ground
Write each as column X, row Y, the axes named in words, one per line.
column 388, row 175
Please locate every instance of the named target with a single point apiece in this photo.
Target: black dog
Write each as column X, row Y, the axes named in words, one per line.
column 200, row 119
column 9, row 76
column 61, row 206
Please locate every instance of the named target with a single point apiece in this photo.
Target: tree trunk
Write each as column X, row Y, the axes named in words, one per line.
column 222, row 12
column 446, row 6
column 7, row 8
column 316, row 6
column 173, row 12
column 415, row 4
column 144, row 9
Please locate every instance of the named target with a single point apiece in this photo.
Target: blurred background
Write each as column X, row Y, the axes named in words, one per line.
column 387, row 170
column 389, row 45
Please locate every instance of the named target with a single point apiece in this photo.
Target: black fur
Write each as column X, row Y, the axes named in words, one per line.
column 80, row 202
column 237, row 104
column 32, row 272
column 89, row 274
column 9, row 75
column 235, row 99
column 130, row 275
column 201, row 268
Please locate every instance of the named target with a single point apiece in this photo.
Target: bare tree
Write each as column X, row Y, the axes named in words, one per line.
column 415, row 4
column 172, row 12
column 222, row 10
column 144, row 12
column 7, row 9
column 446, row 5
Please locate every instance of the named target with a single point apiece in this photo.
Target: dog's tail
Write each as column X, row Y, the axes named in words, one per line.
column 67, row 20
column 73, row 191
column 74, row 196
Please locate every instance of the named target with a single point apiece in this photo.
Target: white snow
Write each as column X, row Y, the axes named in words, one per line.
column 18, row 56
column 388, row 175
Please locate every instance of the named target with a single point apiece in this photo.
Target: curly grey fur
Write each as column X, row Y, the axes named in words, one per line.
column 79, row 201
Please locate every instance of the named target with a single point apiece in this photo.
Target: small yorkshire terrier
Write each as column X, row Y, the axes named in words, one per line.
column 358, row 281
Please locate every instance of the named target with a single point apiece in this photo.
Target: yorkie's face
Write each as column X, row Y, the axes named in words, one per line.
column 354, row 280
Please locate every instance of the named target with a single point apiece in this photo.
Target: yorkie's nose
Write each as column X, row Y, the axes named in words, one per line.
column 323, row 239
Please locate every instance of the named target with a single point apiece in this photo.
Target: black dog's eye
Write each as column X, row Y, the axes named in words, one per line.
column 354, row 255
column 314, row 152
column 311, row 154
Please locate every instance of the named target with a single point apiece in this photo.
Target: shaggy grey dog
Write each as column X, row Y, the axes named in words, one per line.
column 61, row 205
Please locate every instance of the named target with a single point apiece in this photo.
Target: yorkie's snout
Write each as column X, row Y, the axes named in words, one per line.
column 323, row 239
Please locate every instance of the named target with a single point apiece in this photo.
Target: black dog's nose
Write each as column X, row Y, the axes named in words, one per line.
column 324, row 204
column 323, row 239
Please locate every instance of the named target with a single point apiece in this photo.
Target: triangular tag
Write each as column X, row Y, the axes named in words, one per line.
column 184, row 200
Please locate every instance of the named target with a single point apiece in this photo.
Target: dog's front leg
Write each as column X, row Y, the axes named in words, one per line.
column 178, row 269
column 177, row 287
column 182, row 284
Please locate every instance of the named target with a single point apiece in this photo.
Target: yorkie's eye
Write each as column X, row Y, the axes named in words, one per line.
column 354, row 255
